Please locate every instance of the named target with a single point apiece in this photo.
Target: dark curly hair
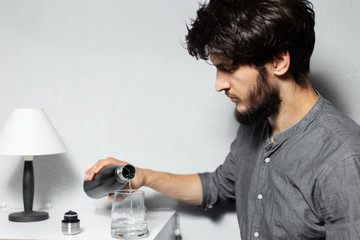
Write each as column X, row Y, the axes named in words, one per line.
column 252, row 32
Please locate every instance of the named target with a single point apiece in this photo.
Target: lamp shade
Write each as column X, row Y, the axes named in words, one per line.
column 29, row 132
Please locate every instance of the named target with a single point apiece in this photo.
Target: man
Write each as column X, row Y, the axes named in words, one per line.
column 294, row 167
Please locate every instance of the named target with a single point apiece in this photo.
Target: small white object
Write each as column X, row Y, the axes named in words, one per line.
column 260, row 196
column 256, row 234
column 267, row 160
column 48, row 206
column 3, row 205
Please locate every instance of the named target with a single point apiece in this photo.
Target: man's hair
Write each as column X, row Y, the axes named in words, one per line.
column 253, row 32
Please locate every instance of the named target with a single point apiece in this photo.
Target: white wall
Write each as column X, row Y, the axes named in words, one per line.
column 115, row 80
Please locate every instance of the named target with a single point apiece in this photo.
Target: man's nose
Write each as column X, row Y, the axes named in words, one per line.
column 222, row 81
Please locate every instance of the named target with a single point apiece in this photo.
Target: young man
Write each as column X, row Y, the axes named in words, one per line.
column 294, row 167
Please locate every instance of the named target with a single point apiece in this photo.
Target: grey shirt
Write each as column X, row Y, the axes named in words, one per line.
column 304, row 185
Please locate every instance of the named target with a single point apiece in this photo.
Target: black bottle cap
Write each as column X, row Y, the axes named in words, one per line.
column 70, row 217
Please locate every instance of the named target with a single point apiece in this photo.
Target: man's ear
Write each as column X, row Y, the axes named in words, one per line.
column 281, row 64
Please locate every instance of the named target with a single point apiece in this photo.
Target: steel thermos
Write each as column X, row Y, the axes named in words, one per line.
column 108, row 180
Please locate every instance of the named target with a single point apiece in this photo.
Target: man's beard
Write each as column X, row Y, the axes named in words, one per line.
column 264, row 100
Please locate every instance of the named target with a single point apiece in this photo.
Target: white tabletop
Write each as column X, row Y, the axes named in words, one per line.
column 94, row 224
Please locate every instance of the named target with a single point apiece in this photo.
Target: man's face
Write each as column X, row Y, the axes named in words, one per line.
column 256, row 98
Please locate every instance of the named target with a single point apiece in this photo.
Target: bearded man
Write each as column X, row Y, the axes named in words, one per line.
column 293, row 169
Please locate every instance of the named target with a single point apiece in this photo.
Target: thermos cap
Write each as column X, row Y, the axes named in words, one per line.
column 71, row 224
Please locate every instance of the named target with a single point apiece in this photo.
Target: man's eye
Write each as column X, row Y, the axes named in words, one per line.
column 230, row 70
column 226, row 69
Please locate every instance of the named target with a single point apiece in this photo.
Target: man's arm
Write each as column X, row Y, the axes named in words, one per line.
column 339, row 199
column 185, row 188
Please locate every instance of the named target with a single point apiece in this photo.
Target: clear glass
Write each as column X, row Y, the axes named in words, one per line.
column 128, row 220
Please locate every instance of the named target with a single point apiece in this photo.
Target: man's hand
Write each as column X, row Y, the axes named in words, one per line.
column 136, row 182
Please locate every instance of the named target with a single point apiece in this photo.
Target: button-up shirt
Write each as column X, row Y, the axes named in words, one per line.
column 305, row 184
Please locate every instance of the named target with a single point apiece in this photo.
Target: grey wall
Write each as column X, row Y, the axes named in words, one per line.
column 115, row 79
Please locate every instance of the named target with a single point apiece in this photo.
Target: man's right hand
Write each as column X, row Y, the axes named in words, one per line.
column 136, row 182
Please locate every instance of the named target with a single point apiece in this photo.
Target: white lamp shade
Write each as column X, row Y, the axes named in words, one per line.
column 28, row 132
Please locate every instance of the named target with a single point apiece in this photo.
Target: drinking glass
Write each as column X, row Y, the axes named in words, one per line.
column 128, row 215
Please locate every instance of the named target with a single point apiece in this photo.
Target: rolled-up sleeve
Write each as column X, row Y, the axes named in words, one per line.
column 219, row 185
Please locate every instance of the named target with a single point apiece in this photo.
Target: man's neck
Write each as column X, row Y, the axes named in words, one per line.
column 296, row 103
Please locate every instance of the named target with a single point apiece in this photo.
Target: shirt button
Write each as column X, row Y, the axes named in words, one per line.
column 260, row 196
column 267, row 160
column 256, row 234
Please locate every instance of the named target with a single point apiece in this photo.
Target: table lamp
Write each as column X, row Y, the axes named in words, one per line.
column 28, row 132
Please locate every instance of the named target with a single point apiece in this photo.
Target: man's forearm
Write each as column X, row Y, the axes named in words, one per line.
column 185, row 188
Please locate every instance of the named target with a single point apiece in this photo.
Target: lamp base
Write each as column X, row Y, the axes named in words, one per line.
column 28, row 216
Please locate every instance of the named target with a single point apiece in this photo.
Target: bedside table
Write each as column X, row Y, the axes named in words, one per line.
column 94, row 224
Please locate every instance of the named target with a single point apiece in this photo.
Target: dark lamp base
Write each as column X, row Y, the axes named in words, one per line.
column 28, row 216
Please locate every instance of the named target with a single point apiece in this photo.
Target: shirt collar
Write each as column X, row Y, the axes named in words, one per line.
column 302, row 124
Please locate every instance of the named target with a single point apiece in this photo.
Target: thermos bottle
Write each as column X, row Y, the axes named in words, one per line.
column 108, row 180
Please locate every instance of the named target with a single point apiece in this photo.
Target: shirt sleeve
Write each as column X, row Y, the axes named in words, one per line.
column 339, row 199
column 219, row 185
